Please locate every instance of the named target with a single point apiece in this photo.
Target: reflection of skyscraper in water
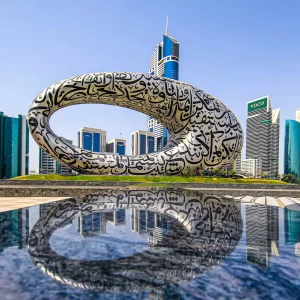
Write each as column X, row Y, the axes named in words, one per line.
column 92, row 224
column 160, row 229
column 144, row 221
column 292, row 229
column 262, row 234
column 116, row 217
column 95, row 223
column 138, row 220
column 14, row 228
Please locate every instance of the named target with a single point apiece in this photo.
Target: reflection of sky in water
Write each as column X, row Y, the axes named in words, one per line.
column 118, row 241
column 266, row 271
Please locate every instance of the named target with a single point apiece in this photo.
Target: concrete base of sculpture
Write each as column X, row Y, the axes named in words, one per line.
column 203, row 132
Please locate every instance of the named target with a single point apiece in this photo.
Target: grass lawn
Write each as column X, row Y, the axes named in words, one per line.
column 156, row 179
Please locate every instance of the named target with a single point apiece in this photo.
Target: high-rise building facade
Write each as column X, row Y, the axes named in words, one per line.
column 164, row 62
column 48, row 165
column 14, row 146
column 142, row 142
column 292, row 148
column 92, row 139
column 262, row 135
column 117, row 146
column 251, row 167
column 235, row 165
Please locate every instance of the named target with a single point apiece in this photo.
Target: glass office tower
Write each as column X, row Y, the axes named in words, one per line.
column 116, row 146
column 14, row 146
column 164, row 62
column 142, row 142
column 92, row 139
column 262, row 135
column 292, row 148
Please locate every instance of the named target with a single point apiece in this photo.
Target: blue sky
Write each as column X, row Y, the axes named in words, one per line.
column 236, row 50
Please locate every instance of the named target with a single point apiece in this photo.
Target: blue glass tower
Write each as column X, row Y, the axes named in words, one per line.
column 117, row 146
column 164, row 63
column 92, row 139
column 14, row 146
column 292, row 148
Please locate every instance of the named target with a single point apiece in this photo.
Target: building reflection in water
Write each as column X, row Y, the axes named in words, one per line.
column 95, row 223
column 14, row 228
column 147, row 222
column 262, row 234
column 292, row 229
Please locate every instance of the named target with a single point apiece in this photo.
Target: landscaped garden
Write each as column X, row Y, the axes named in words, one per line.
column 159, row 179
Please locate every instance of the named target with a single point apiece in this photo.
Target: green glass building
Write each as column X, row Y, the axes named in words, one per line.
column 292, row 148
column 14, row 146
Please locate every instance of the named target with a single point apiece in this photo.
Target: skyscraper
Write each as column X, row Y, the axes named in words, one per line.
column 92, row 139
column 292, row 148
column 262, row 135
column 117, row 146
column 14, row 146
column 251, row 167
column 164, row 62
column 142, row 142
column 48, row 165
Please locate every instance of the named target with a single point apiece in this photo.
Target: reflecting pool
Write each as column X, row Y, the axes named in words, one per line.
column 139, row 244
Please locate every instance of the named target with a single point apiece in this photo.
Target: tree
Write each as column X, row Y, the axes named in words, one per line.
column 215, row 171
column 223, row 173
column 289, row 178
column 187, row 172
column 232, row 172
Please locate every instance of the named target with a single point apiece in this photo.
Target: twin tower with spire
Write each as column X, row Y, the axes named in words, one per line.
column 164, row 62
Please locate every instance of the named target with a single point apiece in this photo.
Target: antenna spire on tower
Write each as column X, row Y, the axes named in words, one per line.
column 167, row 26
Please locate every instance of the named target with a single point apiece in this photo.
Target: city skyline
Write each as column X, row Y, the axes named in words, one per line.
column 235, row 64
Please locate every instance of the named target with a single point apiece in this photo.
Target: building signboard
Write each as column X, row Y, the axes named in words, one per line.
column 258, row 104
